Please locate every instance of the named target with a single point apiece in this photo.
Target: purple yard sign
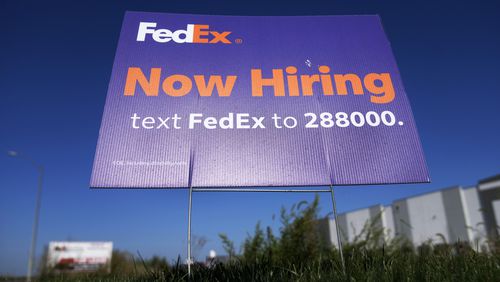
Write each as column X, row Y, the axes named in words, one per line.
column 232, row 101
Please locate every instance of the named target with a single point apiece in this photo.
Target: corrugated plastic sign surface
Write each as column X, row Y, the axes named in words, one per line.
column 231, row 101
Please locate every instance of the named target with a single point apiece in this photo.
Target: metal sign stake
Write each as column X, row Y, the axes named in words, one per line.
column 191, row 190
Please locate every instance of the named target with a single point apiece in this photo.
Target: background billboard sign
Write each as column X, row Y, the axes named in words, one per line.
column 79, row 256
column 232, row 101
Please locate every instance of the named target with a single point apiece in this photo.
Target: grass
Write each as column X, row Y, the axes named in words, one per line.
column 299, row 254
column 361, row 265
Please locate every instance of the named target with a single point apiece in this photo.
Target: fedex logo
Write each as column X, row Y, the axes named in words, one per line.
column 194, row 33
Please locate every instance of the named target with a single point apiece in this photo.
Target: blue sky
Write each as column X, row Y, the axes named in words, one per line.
column 56, row 61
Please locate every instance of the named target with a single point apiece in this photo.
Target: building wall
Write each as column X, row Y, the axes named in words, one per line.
column 496, row 212
column 333, row 233
column 353, row 224
column 489, row 194
column 343, row 227
column 427, row 218
column 449, row 215
column 457, row 220
column 402, row 226
column 356, row 220
column 476, row 228
column 388, row 221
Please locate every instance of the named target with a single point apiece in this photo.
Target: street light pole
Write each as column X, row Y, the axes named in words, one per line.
column 34, row 232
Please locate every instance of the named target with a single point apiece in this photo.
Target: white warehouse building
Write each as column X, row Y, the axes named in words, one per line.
column 449, row 215
column 446, row 216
